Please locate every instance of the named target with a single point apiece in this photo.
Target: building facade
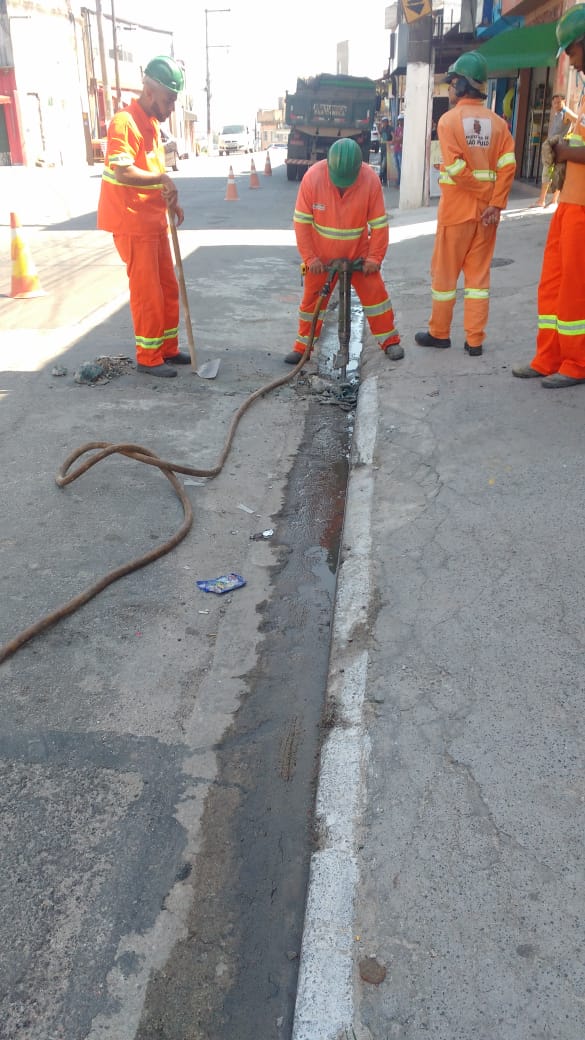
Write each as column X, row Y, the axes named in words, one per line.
column 517, row 38
column 64, row 70
column 42, row 87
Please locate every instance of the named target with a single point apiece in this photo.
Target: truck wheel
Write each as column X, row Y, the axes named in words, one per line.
column 291, row 173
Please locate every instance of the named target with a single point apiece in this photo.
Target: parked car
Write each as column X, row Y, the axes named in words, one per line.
column 375, row 139
column 171, row 151
column 235, row 138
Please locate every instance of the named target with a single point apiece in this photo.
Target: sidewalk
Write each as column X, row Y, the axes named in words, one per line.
column 446, row 888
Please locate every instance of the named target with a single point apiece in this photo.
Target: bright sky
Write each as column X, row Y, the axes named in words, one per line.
column 259, row 47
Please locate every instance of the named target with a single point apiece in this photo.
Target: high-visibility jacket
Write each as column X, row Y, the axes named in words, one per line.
column 330, row 226
column 478, row 161
column 133, row 140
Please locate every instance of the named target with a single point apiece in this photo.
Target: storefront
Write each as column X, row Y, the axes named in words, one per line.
column 11, row 138
column 523, row 71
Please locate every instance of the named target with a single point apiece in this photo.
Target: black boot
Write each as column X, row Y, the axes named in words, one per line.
column 424, row 339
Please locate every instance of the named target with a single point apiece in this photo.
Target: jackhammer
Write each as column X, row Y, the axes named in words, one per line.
column 339, row 270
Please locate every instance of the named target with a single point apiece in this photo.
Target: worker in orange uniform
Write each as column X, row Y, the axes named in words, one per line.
column 340, row 214
column 560, row 341
column 134, row 198
column 476, row 174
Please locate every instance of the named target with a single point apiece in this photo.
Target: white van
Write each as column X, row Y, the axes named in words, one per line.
column 235, row 138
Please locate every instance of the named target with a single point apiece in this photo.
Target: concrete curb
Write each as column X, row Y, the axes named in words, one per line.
column 324, row 1004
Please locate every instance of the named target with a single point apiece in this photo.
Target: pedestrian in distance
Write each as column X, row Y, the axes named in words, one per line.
column 475, row 178
column 560, row 342
column 560, row 116
column 397, row 140
column 385, row 131
column 137, row 198
column 340, row 214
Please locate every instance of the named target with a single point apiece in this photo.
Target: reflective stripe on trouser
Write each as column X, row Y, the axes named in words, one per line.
column 560, row 343
column 373, row 297
column 467, row 247
column 154, row 295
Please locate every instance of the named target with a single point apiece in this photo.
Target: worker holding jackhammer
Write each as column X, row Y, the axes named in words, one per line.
column 340, row 214
column 136, row 196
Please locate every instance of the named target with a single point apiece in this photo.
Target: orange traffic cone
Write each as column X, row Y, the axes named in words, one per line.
column 25, row 280
column 254, row 182
column 267, row 166
column 231, row 194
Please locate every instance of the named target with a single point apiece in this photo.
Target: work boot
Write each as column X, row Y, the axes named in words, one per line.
column 425, row 339
column 558, row 381
column 178, row 359
column 472, row 351
column 293, row 358
column 394, row 351
column 157, row 370
column 526, row 372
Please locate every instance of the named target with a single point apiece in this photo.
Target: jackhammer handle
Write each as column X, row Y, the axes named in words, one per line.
column 183, row 290
column 354, row 265
column 335, row 265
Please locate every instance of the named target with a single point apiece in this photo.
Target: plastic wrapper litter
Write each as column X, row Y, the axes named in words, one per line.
column 225, row 583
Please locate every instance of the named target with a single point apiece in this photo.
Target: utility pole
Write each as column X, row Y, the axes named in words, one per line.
column 116, row 61
column 414, row 182
column 103, row 63
column 210, row 10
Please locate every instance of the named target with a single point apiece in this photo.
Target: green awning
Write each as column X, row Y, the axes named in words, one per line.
column 532, row 47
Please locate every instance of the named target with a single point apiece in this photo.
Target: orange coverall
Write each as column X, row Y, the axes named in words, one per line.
column 138, row 220
column 330, row 226
column 560, row 342
column 477, row 171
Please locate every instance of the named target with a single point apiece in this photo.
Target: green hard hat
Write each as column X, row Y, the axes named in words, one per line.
column 472, row 66
column 167, row 72
column 344, row 160
column 571, row 27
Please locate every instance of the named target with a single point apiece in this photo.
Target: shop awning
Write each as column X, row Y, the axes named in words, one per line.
column 531, row 47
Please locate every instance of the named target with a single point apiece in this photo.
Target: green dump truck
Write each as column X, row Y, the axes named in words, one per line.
column 322, row 109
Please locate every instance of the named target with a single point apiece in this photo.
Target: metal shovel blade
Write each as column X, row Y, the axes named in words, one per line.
column 209, row 369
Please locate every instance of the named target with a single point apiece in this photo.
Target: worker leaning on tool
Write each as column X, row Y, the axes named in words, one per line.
column 134, row 198
column 477, row 171
column 340, row 214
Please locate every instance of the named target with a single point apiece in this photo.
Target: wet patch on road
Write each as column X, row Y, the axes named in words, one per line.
column 235, row 973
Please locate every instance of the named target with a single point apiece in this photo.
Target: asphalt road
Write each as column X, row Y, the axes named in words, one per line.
column 158, row 748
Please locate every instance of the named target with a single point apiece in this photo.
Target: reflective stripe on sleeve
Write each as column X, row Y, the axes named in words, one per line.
column 455, row 167
column 379, row 222
column 111, row 178
column 302, row 218
column 507, row 159
column 122, row 159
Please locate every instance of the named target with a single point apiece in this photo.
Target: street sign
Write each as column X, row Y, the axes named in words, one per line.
column 415, row 9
